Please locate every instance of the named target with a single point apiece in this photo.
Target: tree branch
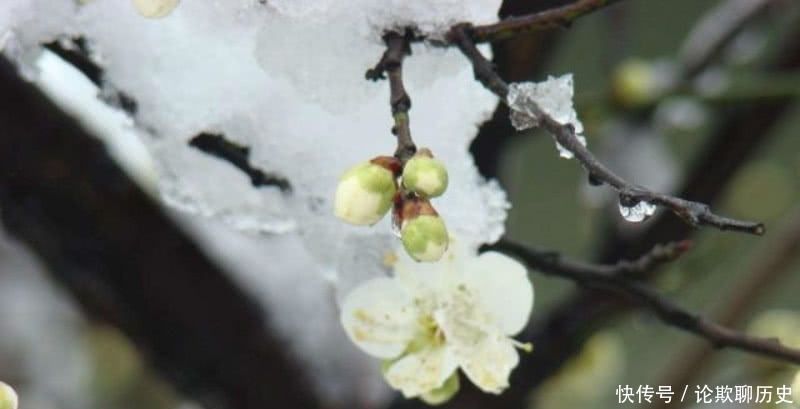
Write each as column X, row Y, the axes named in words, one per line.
column 618, row 278
column 391, row 63
column 216, row 145
column 126, row 263
column 693, row 213
column 743, row 130
column 767, row 270
column 559, row 17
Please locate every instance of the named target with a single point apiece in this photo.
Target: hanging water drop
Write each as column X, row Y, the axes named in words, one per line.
column 397, row 223
column 635, row 211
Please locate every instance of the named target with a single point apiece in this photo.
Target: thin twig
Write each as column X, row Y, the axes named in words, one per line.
column 125, row 262
column 552, row 263
column 769, row 268
column 617, row 278
column 216, row 145
column 694, row 213
column 559, row 17
column 391, row 63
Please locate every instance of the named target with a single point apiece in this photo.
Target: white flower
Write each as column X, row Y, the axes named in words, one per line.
column 432, row 318
column 8, row 397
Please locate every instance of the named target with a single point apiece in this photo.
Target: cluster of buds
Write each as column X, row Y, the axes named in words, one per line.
column 368, row 190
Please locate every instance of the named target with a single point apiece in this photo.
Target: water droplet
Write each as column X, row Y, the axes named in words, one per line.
column 636, row 212
column 397, row 223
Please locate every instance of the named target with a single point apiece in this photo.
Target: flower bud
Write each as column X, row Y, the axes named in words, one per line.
column 365, row 192
column 423, row 232
column 155, row 8
column 8, row 397
column 425, row 175
column 633, row 83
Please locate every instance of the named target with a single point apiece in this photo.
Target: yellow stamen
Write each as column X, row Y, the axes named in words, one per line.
column 526, row 346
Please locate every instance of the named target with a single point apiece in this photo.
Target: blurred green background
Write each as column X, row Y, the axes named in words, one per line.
column 550, row 208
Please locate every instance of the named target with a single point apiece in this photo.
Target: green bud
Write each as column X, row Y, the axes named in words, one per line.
column 365, row 192
column 8, row 397
column 424, row 237
column 633, row 83
column 425, row 175
column 443, row 393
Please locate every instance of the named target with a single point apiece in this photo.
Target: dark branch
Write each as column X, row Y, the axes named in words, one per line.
column 694, row 213
column 461, row 36
column 743, row 131
column 559, row 17
column 618, row 278
column 552, row 263
column 768, row 269
column 75, row 51
column 391, row 63
column 127, row 263
column 216, row 145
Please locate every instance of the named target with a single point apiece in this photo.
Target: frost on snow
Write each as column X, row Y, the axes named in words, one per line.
column 286, row 79
column 553, row 96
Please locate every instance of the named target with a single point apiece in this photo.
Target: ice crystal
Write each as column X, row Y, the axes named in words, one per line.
column 554, row 97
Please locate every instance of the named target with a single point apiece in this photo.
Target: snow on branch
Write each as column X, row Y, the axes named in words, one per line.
column 631, row 195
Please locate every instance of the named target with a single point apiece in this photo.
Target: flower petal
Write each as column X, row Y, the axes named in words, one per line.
column 503, row 287
column 379, row 317
column 489, row 364
column 421, row 278
column 422, row 371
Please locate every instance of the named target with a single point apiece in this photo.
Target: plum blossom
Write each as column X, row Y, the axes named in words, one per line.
column 430, row 319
